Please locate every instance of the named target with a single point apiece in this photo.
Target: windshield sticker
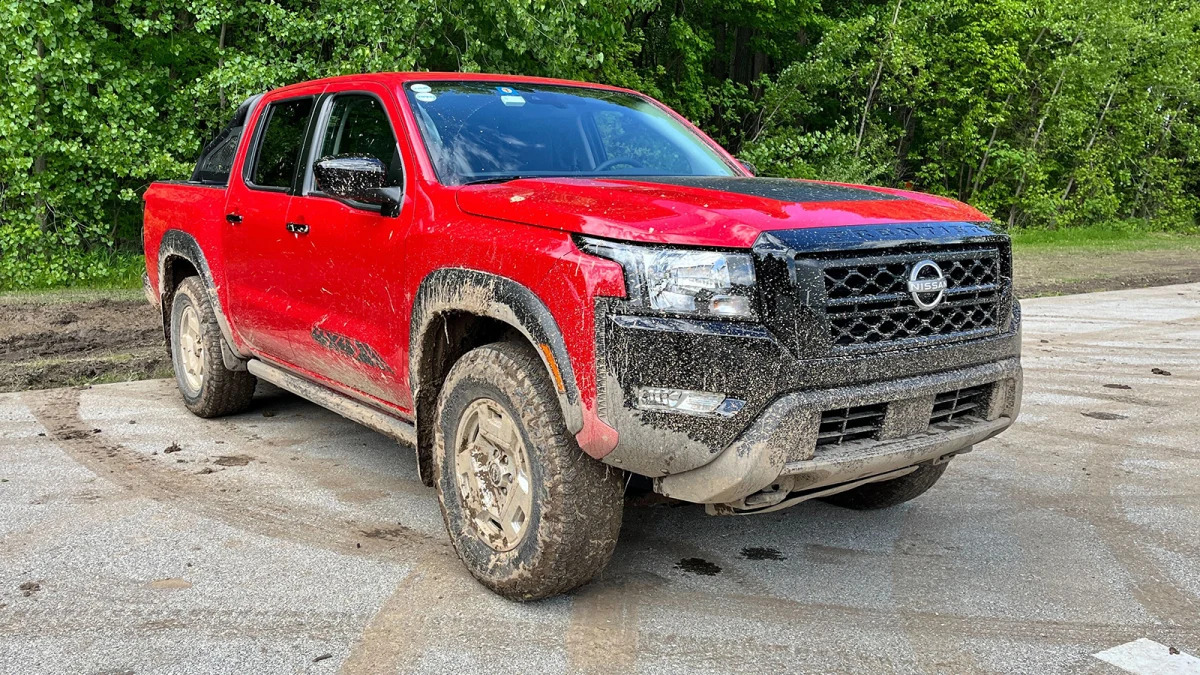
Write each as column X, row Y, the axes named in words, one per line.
column 420, row 88
column 426, row 97
column 510, row 96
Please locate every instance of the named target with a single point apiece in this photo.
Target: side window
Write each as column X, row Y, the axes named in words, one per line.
column 625, row 136
column 279, row 149
column 216, row 161
column 358, row 125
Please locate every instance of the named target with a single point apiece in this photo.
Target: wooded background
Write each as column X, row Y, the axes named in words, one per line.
column 1046, row 113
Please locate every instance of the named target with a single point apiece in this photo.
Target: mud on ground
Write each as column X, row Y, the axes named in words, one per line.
column 66, row 338
column 1068, row 271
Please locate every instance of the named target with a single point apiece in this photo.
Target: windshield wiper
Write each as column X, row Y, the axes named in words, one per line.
column 496, row 179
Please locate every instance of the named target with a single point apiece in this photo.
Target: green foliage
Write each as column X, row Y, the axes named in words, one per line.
column 1047, row 114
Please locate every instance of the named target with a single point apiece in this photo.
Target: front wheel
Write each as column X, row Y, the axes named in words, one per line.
column 892, row 492
column 529, row 513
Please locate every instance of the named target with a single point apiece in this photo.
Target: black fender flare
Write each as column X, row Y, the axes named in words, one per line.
column 180, row 244
column 455, row 289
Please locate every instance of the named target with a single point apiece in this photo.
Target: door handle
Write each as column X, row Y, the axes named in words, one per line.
column 297, row 228
column 233, row 218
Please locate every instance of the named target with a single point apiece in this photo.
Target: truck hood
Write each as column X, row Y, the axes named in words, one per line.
column 702, row 211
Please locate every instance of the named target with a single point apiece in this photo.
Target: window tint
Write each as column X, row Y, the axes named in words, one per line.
column 216, row 161
column 279, row 150
column 358, row 125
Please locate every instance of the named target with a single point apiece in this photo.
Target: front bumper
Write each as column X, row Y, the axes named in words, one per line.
column 779, row 450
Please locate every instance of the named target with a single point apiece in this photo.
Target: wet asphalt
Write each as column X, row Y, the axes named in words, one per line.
column 137, row 538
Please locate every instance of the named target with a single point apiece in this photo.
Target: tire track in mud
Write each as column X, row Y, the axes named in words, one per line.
column 397, row 632
column 930, row 650
column 408, row 622
column 428, row 557
column 58, row 412
column 818, row 616
column 602, row 630
column 1153, row 587
column 1101, row 506
column 134, row 621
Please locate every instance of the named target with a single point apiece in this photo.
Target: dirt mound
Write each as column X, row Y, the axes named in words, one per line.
column 49, row 340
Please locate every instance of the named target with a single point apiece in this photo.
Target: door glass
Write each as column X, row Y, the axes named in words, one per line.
column 358, row 125
column 280, row 150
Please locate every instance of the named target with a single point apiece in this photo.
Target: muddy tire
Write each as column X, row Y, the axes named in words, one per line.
column 889, row 493
column 209, row 389
column 529, row 513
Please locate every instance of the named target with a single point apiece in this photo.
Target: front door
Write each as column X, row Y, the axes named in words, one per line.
column 259, row 249
column 347, row 287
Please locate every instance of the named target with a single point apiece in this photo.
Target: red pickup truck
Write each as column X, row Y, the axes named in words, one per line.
column 547, row 286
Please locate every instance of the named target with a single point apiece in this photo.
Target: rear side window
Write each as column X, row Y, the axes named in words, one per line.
column 282, row 138
column 216, row 161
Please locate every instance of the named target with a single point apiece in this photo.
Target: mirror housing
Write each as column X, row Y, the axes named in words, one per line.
column 359, row 178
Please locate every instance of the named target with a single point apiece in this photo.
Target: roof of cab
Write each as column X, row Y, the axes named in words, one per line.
column 401, row 78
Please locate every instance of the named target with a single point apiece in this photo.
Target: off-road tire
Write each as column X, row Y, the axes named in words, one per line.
column 221, row 391
column 889, row 493
column 576, row 501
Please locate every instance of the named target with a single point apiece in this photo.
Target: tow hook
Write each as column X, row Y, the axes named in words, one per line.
column 763, row 499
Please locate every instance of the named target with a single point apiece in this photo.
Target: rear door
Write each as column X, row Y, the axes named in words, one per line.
column 259, row 250
column 346, row 287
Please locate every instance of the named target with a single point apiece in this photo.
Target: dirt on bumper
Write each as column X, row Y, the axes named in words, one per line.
column 791, row 448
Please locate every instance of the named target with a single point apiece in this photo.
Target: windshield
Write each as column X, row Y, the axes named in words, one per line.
column 487, row 131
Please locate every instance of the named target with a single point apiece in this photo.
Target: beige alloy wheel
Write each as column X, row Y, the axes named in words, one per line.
column 529, row 513
column 208, row 387
column 492, row 472
column 191, row 348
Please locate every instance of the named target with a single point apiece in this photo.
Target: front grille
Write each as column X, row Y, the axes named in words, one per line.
column 847, row 424
column 959, row 403
column 868, row 303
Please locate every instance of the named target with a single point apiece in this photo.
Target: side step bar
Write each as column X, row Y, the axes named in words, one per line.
column 369, row 417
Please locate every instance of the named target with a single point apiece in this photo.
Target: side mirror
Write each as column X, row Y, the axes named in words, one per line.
column 749, row 167
column 359, row 178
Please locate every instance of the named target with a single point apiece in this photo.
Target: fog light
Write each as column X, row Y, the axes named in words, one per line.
column 701, row 403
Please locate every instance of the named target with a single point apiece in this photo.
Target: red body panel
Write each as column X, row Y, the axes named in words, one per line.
column 658, row 213
column 356, row 274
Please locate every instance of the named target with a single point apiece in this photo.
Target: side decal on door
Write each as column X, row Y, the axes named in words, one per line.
column 347, row 346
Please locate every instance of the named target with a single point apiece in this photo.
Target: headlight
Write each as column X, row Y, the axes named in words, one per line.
column 706, row 283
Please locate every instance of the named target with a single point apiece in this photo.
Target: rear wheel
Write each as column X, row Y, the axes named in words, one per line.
column 889, row 493
column 209, row 389
column 529, row 513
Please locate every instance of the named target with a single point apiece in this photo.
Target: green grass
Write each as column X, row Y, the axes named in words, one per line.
column 1103, row 238
column 99, row 270
column 60, row 296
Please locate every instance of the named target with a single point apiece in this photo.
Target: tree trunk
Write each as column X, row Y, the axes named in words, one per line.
column 221, row 64
column 862, row 123
column 1012, row 213
column 39, row 160
column 1037, row 135
column 1095, row 133
column 996, row 128
column 1157, row 149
